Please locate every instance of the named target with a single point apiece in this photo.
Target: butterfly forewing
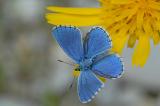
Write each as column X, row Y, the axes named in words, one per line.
column 69, row 38
column 97, row 42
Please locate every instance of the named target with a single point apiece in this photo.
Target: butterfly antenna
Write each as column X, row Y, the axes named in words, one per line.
column 66, row 62
column 70, row 87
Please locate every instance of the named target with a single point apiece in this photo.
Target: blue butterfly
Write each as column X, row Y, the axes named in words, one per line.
column 92, row 56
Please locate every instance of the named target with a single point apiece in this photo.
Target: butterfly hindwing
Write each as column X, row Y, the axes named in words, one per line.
column 110, row 66
column 69, row 38
column 97, row 41
column 88, row 86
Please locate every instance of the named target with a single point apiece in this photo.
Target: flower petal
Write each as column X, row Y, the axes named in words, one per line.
column 121, row 1
column 75, row 11
column 142, row 51
column 75, row 20
column 154, row 5
column 104, row 80
column 131, row 41
column 119, row 43
column 156, row 37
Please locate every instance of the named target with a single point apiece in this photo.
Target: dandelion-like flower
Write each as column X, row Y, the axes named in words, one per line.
column 131, row 22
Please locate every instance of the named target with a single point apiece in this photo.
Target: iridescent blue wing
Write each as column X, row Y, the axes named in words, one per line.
column 110, row 66
column 97, row 41
column 88, row 86
column 69, row 38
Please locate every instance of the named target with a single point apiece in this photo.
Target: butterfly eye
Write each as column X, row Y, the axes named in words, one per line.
column 77, row 69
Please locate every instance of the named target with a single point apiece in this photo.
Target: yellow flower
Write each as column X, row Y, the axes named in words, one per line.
column 128, row 21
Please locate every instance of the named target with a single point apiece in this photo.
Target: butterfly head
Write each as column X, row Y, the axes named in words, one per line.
column 76, row 71
column 86, row 64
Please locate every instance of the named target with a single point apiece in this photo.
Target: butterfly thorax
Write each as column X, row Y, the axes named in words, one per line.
column 85, row 64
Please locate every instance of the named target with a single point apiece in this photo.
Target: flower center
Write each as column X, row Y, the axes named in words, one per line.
column 143, row 4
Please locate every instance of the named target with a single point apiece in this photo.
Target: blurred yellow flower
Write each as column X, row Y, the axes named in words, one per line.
column 127, row 21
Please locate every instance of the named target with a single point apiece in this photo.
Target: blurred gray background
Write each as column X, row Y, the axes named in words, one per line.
column 31, row 76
